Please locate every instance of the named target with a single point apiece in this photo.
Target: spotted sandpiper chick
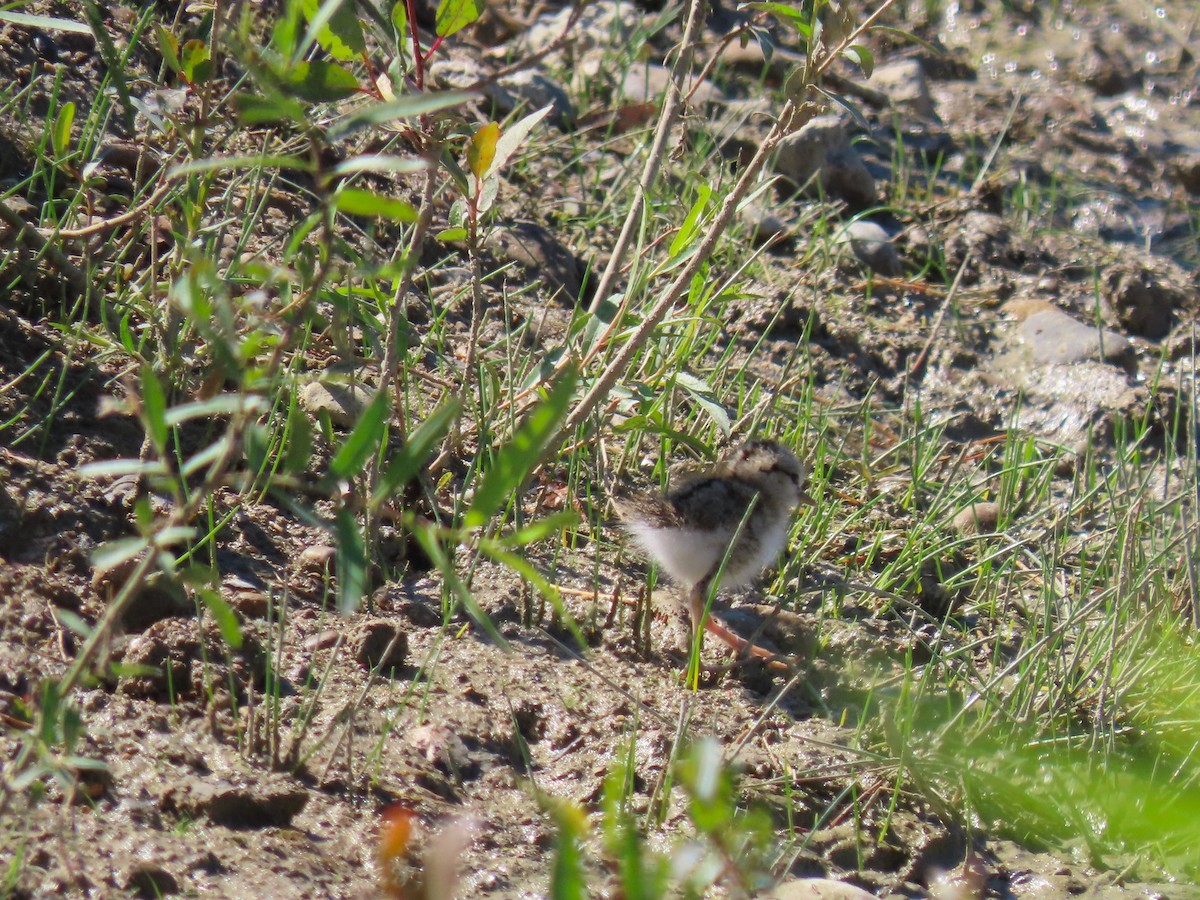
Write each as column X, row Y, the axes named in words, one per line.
column 746, row 500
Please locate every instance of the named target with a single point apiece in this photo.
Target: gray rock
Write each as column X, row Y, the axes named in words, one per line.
column 1051, row 336
column 343, row 402
column 978, row 518
column 1072, row 392
column 764, row 224
column 905, row 85
column 535, row 248
column 873, row 246
column 372, row 641
column 819, row 154
column 604, row 23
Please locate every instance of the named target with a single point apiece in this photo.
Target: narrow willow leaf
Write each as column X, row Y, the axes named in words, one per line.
column 205, row 457
column 75, row 622
column 299, row 447
column 688, row 230
column 451, row 235
column 363, row 440
column 357, row 202
column 377, row 162
column 61, row 136
column 154, row 409
column 540, row 529
column 516, row 458
column 116, row 468
column 223, row 615
column 400, row 21
column 455, row 15
column 168, row 46
column 481, row 149
column 352, row 579
column 405, row 465
column 401, row 108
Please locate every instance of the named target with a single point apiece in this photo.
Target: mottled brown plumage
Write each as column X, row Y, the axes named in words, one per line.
column 746, row 499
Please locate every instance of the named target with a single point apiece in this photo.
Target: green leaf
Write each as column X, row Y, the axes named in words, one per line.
column 195, row 61
column 351, row 563
column 862, row 57
column 168, row 46
column 412, row 456
column 61, row 135
column 451, row 235
column 223, row 615
column 794, row 16
column 515, row 459
column 253, row 109
column 513, row 137
column 357, row 202
column 455, row 15
column 705, row 397
column 299, row 442
column 154, row 409
column 404, row 107
column 567, row 879
column 208, row 455
column 540, row 529
column 320, row 82
column 334, row 25
column 400, row 20
column 363, row 440
column 687, row 231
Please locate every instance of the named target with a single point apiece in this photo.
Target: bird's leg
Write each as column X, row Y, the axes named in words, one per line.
column 697, row 600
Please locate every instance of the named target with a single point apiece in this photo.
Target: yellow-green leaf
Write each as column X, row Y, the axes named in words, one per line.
column 482, row 149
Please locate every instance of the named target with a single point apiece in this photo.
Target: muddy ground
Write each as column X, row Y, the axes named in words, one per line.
column 1076, row 255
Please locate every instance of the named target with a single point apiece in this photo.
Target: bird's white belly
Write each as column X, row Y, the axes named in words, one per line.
column 687, row 555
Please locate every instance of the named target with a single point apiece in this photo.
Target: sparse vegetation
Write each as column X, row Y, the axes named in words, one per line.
column 307, row 467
